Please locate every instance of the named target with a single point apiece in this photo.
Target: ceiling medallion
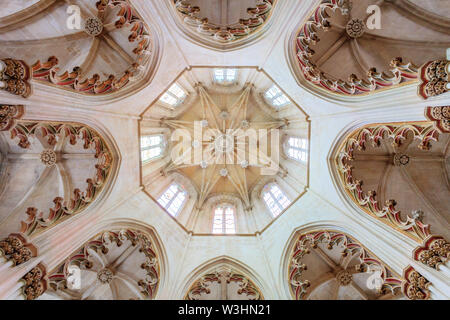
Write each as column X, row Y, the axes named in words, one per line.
column 93, row 26
column 224, row 115
column 244, row 164
column 105, row 276
column 344, row 278
column 223, row 172
column 245, row 124
column 355, row 28
column 48, row 157
column 401, row 159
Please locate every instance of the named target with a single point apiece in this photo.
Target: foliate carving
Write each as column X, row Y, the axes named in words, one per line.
column 344, row 278
column 48, row 158
column 72, row 133
column 35, row 282
column 227, row 275
column 355, row 28
column 435, row 78
column 309, row 241
column 105, row 276
column 8, row 115
column 15, row 76
column 93, row 26
column 434, row 251
column 440, row 116
column 82, row 258
column 74, row 80
column 401, row 159
column 425, row 132
column 400, row 71
column 415, row 286
column 15, row 248
column 228, row 33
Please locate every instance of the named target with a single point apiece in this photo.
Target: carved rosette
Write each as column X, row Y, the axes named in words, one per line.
column 434, row 252
column 401, row 159
column 435, row 78
column 344, row 278
column 105, row 276
column 35, row 282
column 8, row 116
column 331, row 239
column 93, row 26
column 15, row 76
column 412, row 226
column 16, row 248
column 355, row 28
column 48, row 158
column 440, row 116
column 415, row 286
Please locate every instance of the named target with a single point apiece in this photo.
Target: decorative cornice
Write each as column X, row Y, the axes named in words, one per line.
column 435, row 78
column 8, row 116
column 35, row 282
column 440, row 116
column 15, row 76
column 415, row 286
column 17, row 249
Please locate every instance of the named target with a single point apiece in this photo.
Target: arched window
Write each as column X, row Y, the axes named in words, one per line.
column 174, row 96
column 276, row 97
column 275, row 199
column 173, row 199
column 297, row 149
column 225, row 76
column 224, row 220
column 151, row 147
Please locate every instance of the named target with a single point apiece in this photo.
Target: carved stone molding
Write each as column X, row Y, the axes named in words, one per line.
column 224, row 276
column 412, row 226
column 15, row 76
column 440, row 116
column 310, row 241
column 36, row 282
column 435, row 78
column 415, row 286
column 100, row 245
column 17, row 249
column 434, row 251
column 258, row 16
column 399, row 71
column 71, row 133
column 357, row 140
column 8, row 116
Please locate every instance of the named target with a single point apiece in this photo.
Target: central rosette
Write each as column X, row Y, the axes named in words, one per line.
column 225, row 138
